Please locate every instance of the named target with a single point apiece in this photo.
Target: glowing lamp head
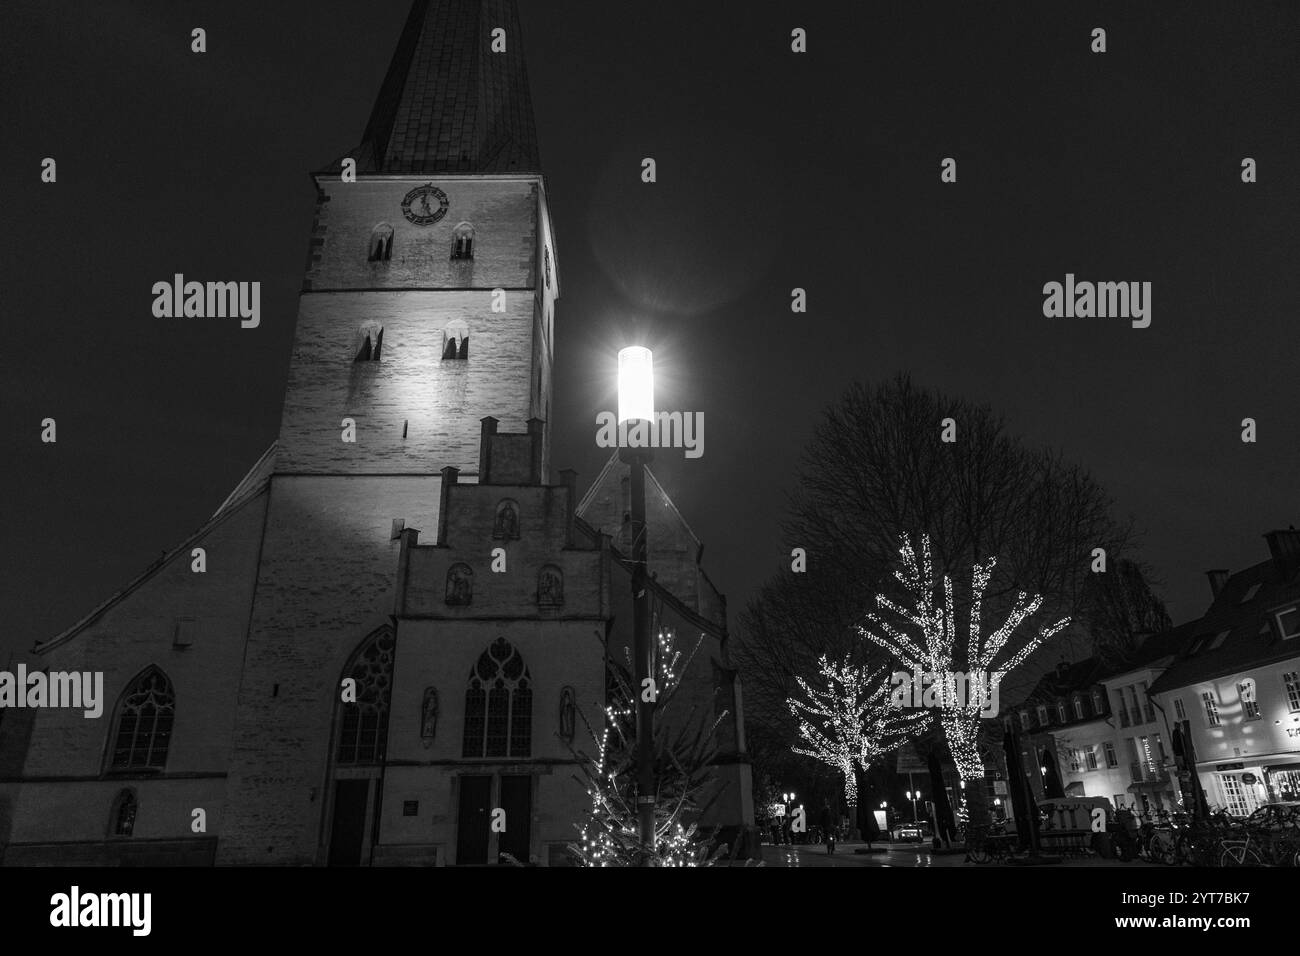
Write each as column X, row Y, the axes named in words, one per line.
column 636, row 385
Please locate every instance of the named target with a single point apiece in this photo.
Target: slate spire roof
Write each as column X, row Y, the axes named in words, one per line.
column 449, row 104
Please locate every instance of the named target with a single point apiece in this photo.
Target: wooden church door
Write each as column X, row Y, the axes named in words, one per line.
column 347, row 835
column 473, row 820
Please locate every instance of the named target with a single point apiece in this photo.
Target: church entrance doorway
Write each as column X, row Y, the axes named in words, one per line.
column 473, row 820
column 348, row 833
column 517, row 802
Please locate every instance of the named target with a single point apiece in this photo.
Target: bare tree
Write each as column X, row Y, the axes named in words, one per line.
column 851, row 723
column 1120, row 608
column 877, row 469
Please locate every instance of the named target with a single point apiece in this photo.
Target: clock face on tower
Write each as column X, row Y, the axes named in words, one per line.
column 425, row 205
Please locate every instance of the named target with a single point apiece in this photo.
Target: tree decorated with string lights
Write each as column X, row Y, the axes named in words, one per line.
column 686, row 784
column 851, row 722
column 922, row 634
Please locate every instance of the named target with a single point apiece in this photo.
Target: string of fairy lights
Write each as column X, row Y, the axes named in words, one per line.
column 852, row 722
column 610, row 835
column 935, row 649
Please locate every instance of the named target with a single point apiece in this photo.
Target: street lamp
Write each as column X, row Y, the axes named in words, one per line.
column 914, row 795
column 635, row 405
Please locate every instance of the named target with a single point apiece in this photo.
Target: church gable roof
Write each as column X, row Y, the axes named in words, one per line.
column 256, row 477
column 251, row 487
column 449, row 104
column 595, row 506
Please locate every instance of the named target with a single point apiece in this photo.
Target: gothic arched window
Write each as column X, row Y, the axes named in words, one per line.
column 455, row 340
column 364, row 729
column 499, row 705
column 550, row 586
column 507, row 520
column 460, row 585
column 381, row 243
column 462, row 241
column 143, row 729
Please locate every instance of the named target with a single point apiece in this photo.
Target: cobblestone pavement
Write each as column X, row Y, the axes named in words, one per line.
column 898, row 855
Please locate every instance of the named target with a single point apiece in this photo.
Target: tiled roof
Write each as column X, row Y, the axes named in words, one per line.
column 1156, row 647
column 449, row 104
column 1065, row 680
column 1251, row 639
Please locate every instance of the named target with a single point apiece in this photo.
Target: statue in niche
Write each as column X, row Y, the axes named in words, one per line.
column 568, row 707
column 507, row 523
column 460, row 585
column 429, row 715
column 550, row 586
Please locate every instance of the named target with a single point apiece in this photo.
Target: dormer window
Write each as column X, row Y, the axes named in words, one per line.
column 381, row 243
column 1042, row 715
column 1288, row 623
column 1078, row 708
column 462, row 241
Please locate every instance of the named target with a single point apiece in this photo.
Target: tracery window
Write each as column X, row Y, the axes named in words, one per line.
column 499, row 705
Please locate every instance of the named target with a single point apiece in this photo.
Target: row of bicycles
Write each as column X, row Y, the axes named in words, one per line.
column 1268, row 837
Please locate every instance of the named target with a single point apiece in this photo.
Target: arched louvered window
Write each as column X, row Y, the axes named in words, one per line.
column 142, row 731
column 381, row 243
column 499, row 705
column 462, row 241
column 455, row 340
column 369, row 342
column 363, row 730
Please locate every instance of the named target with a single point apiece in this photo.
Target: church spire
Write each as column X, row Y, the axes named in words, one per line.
column 449, row 104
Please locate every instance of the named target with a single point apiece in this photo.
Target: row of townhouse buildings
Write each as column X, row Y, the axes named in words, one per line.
column 1217, row 697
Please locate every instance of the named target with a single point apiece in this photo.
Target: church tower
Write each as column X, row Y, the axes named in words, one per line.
column 382, row 640
column 427, row 306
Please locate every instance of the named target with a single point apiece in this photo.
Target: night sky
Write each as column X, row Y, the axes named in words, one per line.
column 775, row 170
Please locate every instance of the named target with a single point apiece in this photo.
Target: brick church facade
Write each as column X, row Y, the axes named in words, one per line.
column 365, row 549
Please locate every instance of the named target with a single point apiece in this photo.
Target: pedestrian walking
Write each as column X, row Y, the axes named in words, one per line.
column 826, row 820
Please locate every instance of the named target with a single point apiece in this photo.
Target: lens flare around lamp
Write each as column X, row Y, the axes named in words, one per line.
column 636, row 384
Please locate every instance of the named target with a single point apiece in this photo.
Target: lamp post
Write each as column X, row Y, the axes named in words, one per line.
column 914, row 795
column 636, row 411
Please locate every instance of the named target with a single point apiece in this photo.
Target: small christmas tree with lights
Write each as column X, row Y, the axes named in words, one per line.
column 684, row 754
